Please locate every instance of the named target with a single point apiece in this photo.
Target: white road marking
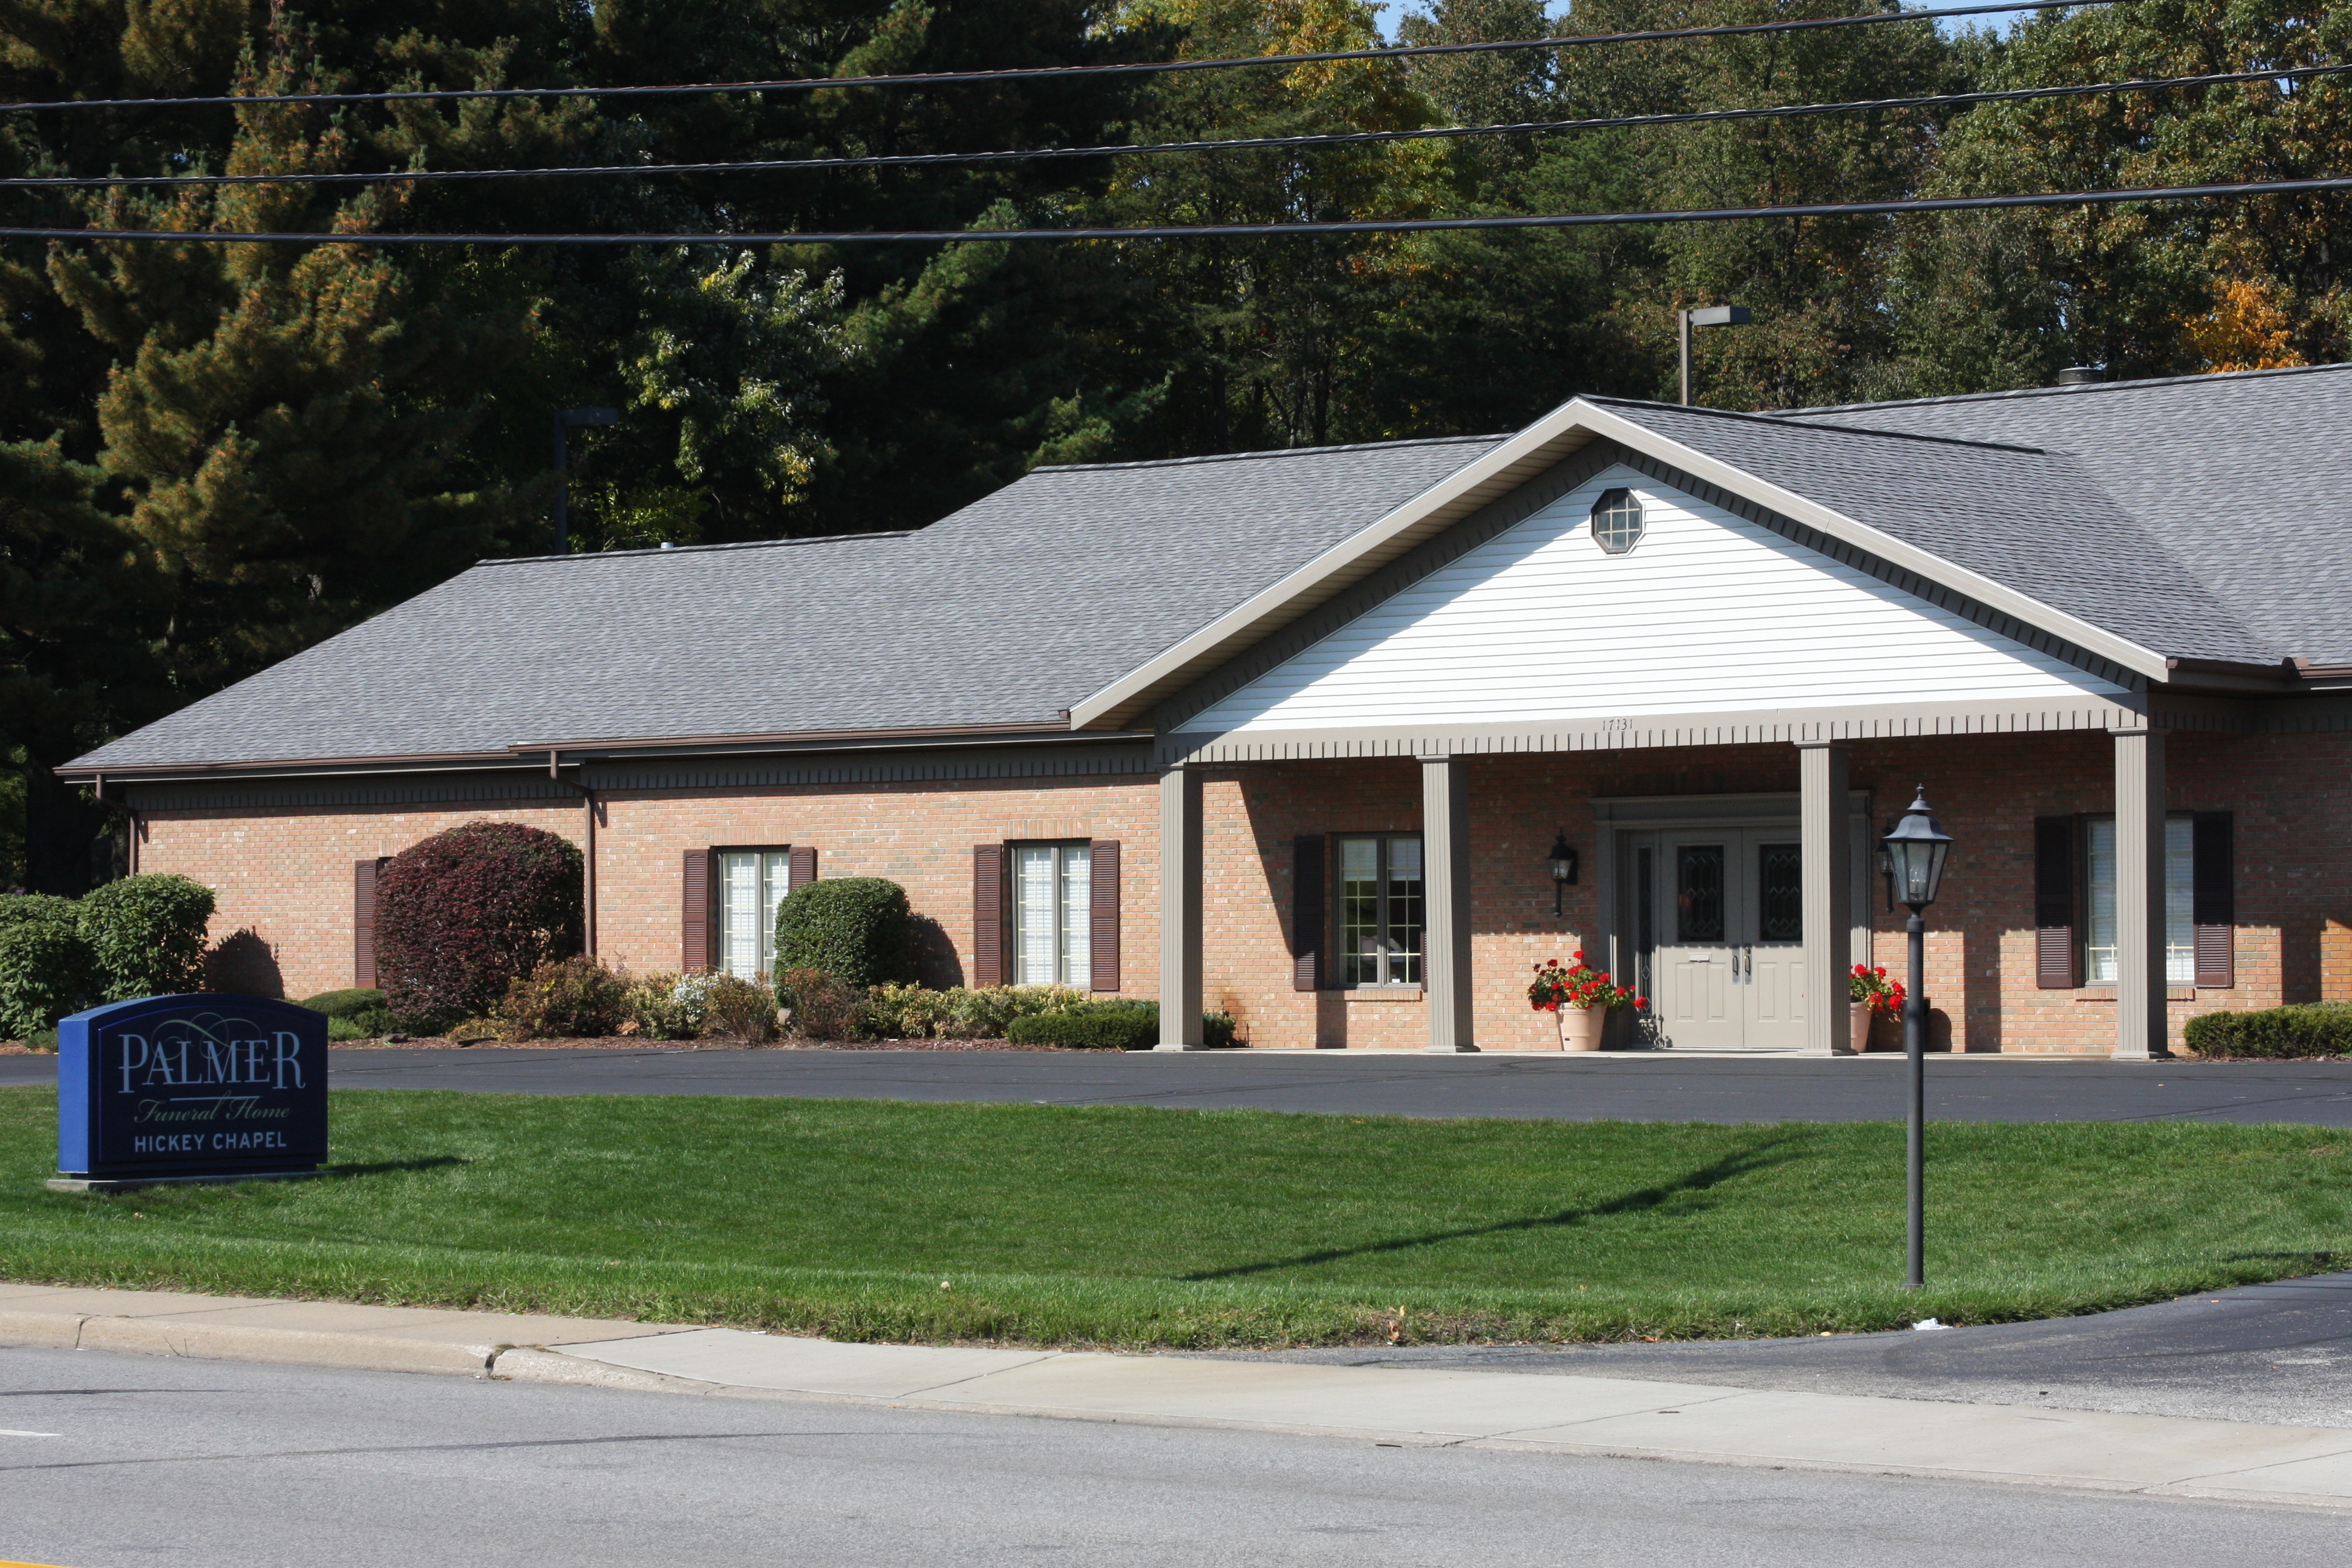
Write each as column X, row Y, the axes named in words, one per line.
column 5, row 1431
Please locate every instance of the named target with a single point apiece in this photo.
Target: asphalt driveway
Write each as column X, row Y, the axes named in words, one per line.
column 1632, row 1086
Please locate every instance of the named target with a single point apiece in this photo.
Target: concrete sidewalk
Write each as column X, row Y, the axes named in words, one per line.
column 2163, row 1455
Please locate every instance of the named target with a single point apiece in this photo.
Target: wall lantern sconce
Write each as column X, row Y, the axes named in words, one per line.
column 1563, row 868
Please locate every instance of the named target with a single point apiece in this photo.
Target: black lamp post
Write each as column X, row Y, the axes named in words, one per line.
column 565, row 419
column 1563, row 867
column 1915, row 855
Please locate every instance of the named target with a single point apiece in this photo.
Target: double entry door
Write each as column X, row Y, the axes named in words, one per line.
column 1728, row 966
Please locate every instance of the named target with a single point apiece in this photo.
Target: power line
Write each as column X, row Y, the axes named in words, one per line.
column 1034, row 73
column 1219, row 231
column 1332, row 139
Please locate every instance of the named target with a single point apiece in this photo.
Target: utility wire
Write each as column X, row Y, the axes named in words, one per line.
column 1033, row 73
column 1217, row 231
column 1335, row 139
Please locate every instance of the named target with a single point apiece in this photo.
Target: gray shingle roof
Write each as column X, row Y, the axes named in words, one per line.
column 1006, row 612
column 2247, row 479
column 2035, row 521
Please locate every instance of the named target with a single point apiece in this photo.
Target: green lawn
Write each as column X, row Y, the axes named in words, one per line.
column 1124, row 1225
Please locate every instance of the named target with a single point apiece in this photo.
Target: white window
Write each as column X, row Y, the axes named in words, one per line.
column 751, row 883
column 2179, row 895
column 1617, row 521
column 1380, row 910
column 1053, row 908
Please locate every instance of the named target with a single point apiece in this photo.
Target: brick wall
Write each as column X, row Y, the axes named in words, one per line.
column 284, row 876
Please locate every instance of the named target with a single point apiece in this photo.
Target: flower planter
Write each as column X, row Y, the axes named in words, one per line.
column 1579, row 1027
column 1859, row 1016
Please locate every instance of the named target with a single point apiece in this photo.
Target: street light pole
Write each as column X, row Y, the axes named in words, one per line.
column 1705, row 316
column 1916, row 852
column 1915, row 1149
column 565, row 418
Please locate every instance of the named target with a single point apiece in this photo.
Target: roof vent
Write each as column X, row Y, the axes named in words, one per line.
column 2081, row 375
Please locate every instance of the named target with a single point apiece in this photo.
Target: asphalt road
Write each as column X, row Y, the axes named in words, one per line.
column 2280, row 1354
column 119, row 1461
column 1639, row 1088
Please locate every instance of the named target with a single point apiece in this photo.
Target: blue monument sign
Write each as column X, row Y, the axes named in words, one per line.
column 204, row 1086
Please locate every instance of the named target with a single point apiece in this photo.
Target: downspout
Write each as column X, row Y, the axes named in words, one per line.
column 587, row 852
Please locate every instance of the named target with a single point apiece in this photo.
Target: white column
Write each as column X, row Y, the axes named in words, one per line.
column 1180, row 910
column 2139, row 894
column 1827, row 870
column 1445, row 865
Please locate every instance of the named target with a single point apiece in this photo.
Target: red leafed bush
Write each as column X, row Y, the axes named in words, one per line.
column 462, row 915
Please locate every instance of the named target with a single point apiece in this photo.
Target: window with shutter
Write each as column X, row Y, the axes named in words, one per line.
column 1103, row 919
column 2054, row 945
column 1308, row 920
column 2214, row 898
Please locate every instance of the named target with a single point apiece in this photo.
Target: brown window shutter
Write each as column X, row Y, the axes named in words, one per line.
column 2055, row 952
column 363, row 923
column 2214, row 896
column 1102, row 912
column 1307, row 916
column 694, row 913
column 804, row 866
column 988, row 914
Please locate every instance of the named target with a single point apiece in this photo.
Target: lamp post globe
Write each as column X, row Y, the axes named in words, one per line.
column 1916, row 853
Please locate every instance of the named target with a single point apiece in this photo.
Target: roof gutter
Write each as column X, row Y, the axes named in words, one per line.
column 530, row 755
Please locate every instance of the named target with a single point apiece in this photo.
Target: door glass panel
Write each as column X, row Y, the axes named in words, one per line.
column 1698, row 892
column 739, row 914
column 1405, row 911
column 1645, row 921
column 2179, row 901
column 1359, row 910
column 1077, row 915
column 1780, row 894
column 776, row 882
column 1033, row 915
column 2099, row 939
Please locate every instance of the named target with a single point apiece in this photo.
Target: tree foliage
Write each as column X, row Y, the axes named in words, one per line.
column 214, row 455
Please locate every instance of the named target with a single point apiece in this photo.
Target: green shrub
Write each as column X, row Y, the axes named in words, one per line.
column 1109, row 1026
column 147, row 933
column 666, row 1007
column 856, row 929
column 2307, row 1029
column 47, row 971
column 905, row 1011
column 18, row 909
column 986, row 1013
column 822, row 1008
column 735, row 1008
column 566, row 999
column 356, row 1013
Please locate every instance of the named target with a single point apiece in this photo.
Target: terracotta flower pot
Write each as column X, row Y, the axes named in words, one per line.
column 1858, row 1020
column 1579, row 1027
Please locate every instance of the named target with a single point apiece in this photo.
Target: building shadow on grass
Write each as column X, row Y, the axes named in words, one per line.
column 1777, row 1150
column 386, row 1167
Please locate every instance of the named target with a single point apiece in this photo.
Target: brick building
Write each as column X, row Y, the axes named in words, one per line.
column 1297, row 734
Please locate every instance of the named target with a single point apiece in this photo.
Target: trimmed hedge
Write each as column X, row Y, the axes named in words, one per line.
column 2306, row 1029
column 464, row 914
column 354, row 1013
column 856, row 929
column 1109, row 1026
column 147, row 933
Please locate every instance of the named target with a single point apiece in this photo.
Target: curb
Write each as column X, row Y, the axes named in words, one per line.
column 232, row 1341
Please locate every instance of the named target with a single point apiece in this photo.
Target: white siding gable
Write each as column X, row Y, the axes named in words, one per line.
column 1708, row 613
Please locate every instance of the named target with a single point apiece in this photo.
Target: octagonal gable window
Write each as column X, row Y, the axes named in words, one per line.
column 1617, row 521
